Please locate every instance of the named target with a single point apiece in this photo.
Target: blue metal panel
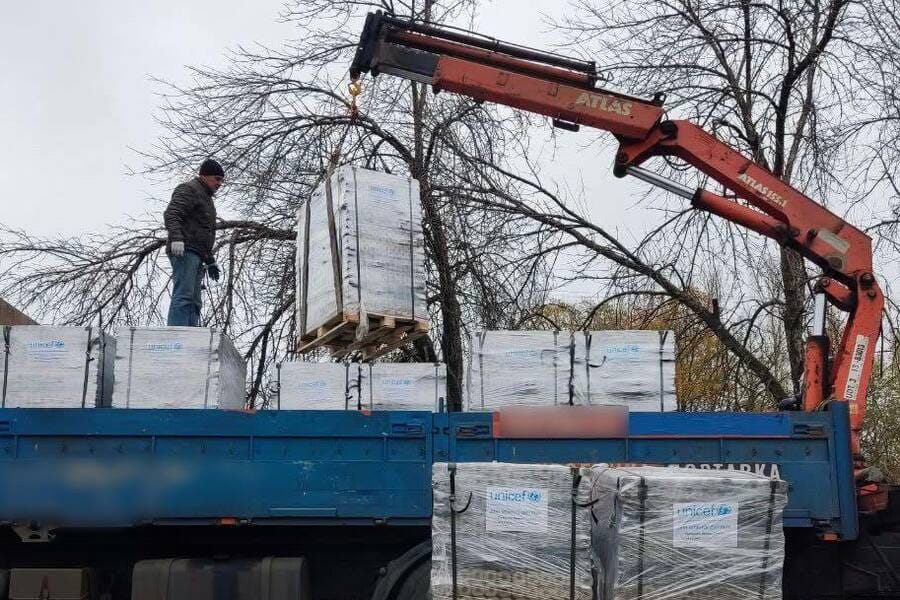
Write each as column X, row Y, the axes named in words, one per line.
column 126, row 466
column 116, row 467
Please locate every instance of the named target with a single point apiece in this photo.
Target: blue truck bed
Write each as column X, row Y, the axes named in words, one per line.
column 113, row 467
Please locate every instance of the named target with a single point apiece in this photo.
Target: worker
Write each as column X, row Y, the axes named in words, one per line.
column 190, row 220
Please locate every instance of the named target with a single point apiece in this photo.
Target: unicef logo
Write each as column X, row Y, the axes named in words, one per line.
column 164, row 346
column 725, row 509
column 533, row 496
column 47, row 345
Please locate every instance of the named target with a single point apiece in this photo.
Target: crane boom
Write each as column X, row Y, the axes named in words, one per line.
column 567, row 91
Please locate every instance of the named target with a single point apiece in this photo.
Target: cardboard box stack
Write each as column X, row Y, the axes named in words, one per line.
column 178, row 367
column 515, row 540
column 56, row 367
column 377, row 252
column 687, row 533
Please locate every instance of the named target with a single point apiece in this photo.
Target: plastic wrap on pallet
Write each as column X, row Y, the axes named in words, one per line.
column 380, row 246
column 56, row 367
column 402, row 386
column 515, row 540
column 509, row 368
column 668, row 534
column 312, row 386
column 177, row 367
column 632, row 368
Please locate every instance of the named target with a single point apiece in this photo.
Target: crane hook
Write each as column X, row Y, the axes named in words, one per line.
column 355, row 89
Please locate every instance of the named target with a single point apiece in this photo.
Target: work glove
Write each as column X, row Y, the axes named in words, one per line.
column 177, row 248
column 213, row 271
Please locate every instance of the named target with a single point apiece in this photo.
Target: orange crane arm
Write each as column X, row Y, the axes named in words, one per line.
column 566, row 90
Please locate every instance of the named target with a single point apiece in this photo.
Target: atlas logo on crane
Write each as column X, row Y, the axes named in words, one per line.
column 770, row 194
column 605, row 103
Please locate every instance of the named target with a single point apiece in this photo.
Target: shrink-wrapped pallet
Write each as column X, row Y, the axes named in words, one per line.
column 673, row 534
column 56, row 367
column 368, row 258
column 516, row 539
column 178, row 367
column 631, row 368
column 509, row 368
column 313, row 386
column 402, row 386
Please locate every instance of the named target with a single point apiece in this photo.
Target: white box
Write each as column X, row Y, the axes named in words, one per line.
column 402, row 386
column 515, row 539
column 378, row 249
column 312, row 386
column 56, row 367
column 507, row 368
column 178, row 367
column 631, row 368
column 687, row 533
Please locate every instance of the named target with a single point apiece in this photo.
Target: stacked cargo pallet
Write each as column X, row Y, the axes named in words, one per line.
column 354, row 386
column 56, row 367
column 82, row 367
column 551, row 368
column 545, row 532
column 361, row 265
column 177, row 367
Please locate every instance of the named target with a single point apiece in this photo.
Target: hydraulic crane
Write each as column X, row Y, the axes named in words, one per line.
column 567, row 90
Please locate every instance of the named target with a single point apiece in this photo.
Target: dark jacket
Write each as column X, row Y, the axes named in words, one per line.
column 191, row 218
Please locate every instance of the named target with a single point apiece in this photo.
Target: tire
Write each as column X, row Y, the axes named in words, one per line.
column 407, row 577
column 417, row 583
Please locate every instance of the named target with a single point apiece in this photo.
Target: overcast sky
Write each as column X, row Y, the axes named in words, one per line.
column 79, row 97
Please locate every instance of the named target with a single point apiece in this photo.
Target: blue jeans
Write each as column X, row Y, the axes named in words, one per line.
column 187, row 281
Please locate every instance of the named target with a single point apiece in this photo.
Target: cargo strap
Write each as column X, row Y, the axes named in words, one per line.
column 453, row 512
column 555, row 368
column 6, row 337
column 130, row 367
column 412, row 256
column 773, row 488
column 209, row 359
column 662, row 381
column 642, row 513
column 87, row 369
column 576, row 484
column 332, row 238
column 325, row 177
column 572, row 370
column 481, row 337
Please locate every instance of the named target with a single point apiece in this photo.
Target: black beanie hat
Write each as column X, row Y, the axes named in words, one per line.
column 211, row 167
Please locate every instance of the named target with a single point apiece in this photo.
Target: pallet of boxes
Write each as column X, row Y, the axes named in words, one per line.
column 361, row 265
column 46, row 366
column 552, row 532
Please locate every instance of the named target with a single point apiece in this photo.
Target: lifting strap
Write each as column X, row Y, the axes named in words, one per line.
column 7, row 334
column 453, row 512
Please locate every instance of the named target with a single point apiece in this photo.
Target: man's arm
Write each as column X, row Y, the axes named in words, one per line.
column 178, row 209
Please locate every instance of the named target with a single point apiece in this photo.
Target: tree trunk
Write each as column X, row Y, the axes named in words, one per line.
column 436, row 239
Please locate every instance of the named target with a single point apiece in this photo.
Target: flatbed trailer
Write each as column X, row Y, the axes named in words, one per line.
column 351, row 491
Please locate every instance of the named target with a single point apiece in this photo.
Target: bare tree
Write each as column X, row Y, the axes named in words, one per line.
column 771, row 79
column 275, row 117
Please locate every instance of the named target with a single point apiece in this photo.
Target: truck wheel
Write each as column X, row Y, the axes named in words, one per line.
column 407, row 577
column 417, row 584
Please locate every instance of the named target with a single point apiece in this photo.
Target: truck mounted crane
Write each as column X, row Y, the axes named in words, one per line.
column 566, row 90
column 117, row 495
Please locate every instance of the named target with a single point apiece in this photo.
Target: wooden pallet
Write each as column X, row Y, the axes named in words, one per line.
column 340, row 335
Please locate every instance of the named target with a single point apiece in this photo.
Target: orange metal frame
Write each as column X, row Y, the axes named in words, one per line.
column 771, row 206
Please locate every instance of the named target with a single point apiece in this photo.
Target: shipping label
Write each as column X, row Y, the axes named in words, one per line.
column 47, row 350
column 854, row 377
column 516, row 509
column 705, row 524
